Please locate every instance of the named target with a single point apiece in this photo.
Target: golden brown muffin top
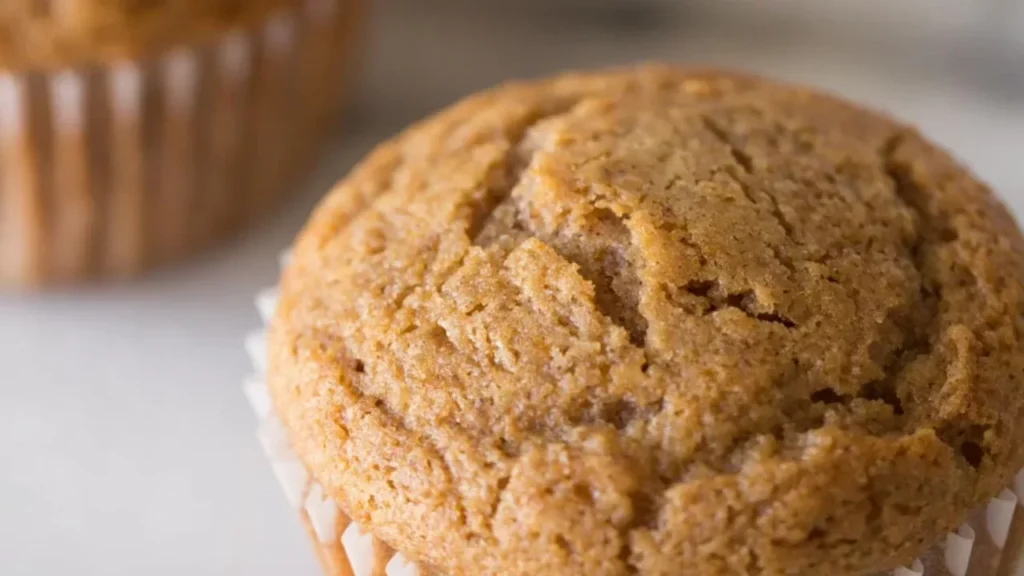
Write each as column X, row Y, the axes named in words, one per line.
column 56, row 33
column 655, row 321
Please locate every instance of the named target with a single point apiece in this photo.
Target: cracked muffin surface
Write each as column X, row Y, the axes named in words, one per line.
column 655, row 321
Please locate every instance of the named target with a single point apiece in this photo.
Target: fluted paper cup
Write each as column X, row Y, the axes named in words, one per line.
column 989, row 543
column 106, row 170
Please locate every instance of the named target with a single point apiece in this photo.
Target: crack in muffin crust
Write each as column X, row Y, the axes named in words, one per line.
column 655, row 320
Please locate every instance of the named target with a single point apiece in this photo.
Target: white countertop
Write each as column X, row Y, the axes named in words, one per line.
column 126, row 446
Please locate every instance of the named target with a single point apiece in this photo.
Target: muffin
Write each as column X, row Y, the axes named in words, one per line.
column 135, row 133
column 653, row 321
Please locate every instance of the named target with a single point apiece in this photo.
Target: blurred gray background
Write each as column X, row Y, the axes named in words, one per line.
column 126, row 446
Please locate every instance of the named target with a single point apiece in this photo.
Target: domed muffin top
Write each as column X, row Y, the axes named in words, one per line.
column 655, row 321
column 56, row 33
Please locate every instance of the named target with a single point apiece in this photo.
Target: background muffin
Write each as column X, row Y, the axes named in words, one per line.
column 135, row 133
column 653, row 321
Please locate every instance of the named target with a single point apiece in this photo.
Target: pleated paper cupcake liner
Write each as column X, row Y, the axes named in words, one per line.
column 106, row 170
column 990, row 543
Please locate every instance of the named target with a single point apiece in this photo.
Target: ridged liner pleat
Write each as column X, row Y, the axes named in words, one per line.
column 108, row 170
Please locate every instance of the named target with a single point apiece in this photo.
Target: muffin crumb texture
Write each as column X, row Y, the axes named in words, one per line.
column 57, row 33
column 655, row 321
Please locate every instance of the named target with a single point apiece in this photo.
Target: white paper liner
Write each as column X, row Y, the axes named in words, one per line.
column 106, row 170
column 991, row 543
column 915, row 569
